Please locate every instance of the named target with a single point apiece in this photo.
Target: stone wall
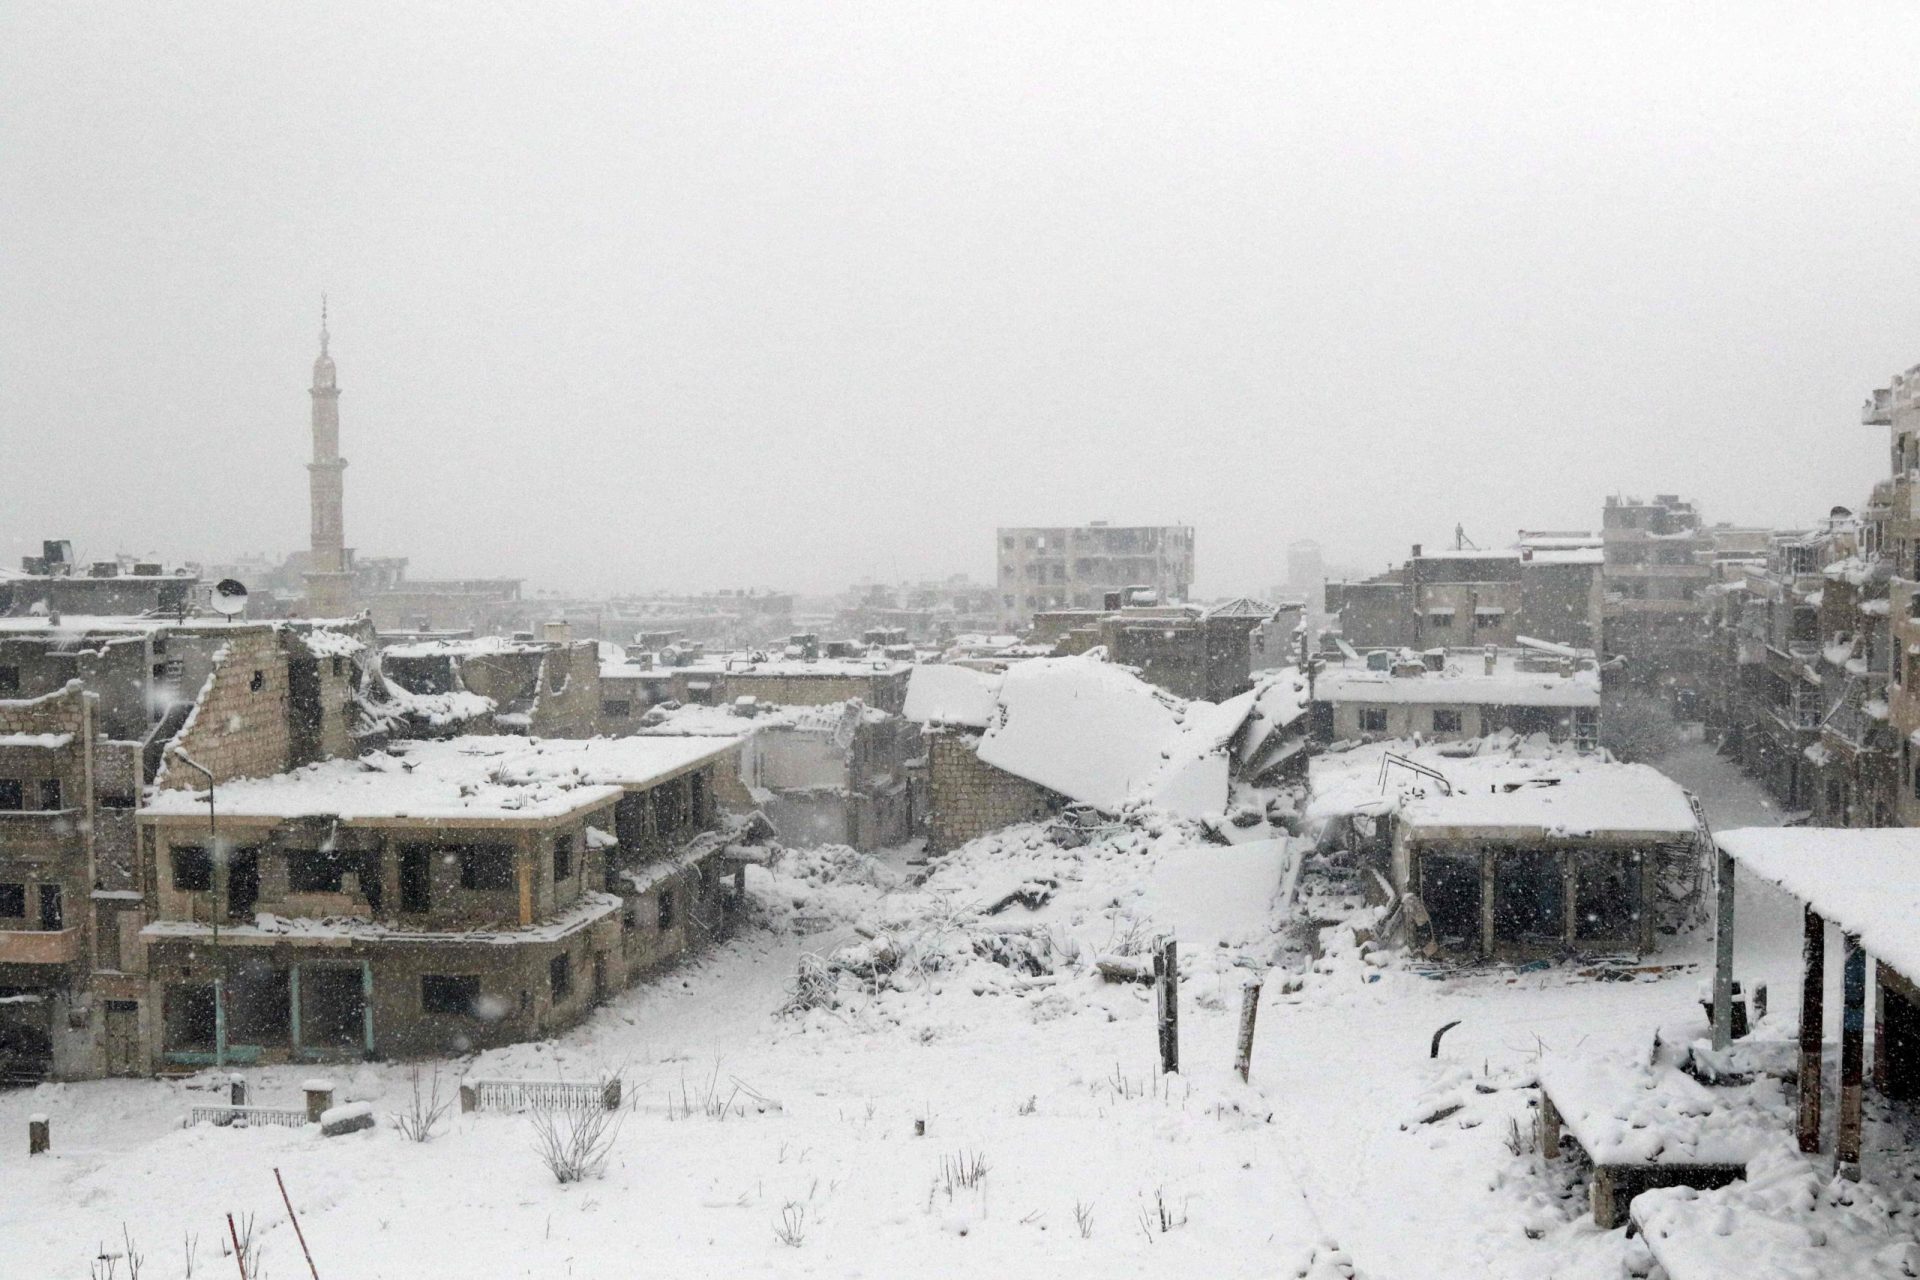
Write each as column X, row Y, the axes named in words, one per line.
column 241, row 726
column 968, row 797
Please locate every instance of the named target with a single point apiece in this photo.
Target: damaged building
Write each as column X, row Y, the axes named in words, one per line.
column 1446, row 695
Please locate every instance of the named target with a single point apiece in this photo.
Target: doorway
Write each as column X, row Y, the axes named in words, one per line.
column 123, row 1038
column 243, row 883
column 333, row 1007
column 416, row 872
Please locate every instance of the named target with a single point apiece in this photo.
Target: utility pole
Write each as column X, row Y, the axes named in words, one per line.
column 216, row 880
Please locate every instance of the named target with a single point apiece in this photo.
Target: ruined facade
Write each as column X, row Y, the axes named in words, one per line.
column 968, row 798
column 1078, row 567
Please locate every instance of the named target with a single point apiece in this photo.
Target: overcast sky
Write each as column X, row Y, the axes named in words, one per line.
column 719, row 295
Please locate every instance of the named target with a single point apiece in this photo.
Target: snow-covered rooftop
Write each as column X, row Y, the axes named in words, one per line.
column 458, row 780
column 1569, row 799
column 1865, row 881
column 1464, row 679
column 939, row 693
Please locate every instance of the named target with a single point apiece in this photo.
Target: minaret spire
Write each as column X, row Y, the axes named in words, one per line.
column 329, row 563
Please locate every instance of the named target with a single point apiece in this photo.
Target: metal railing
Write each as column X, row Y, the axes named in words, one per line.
column 528, row 1095
column 245, row 1117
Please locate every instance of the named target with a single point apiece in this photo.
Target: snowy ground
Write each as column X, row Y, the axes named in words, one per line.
column 1050, row 1082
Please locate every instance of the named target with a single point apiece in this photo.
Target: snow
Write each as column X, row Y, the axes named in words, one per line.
column 939, row 693
column 40, row 741
column 342, row 931
column 1098, row 734
column 1465, row 681
column 1865, row 881
column 345, row 1111
column 323, row 642
column 1564, row 799
column 474, row 779
column 1623, row 1109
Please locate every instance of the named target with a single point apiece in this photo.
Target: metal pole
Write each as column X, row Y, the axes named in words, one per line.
column 216, row 883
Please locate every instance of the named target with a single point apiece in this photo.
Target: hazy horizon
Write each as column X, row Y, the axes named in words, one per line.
column 728, row 296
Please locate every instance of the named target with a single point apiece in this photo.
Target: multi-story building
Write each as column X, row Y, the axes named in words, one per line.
column 1658, row 566
column 1895, row 538
column 1547, row 587
column 1078, row 567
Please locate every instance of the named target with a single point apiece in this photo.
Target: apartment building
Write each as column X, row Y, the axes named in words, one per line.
column 1078, row 567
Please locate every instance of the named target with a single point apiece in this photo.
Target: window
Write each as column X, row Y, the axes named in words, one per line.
column 315, row 870
column 50, row 794
column 192, row 869
column 258, row 682
column 339, row 666
column 1373, row 719
column 1440, row 620
column 562, row 858
column 9, row 682
column 12, row 794
column 449, row 993
column 560, row 975
column 666, row 908
column 1484, row 621
column 616, row 708
column 13, row 899
column 1446, row 722
column 486, row 866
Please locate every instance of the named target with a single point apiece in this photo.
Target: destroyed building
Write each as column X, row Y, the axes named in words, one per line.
column 1546, row 587
column 1450, row 695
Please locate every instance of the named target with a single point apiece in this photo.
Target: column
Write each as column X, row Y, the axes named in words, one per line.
column 1853, row 1030
column 1723, row 879
column 293, row 1008
column 1813, row 959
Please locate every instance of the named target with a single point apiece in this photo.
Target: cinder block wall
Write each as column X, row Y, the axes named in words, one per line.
column 967, row 797
column 237, row 730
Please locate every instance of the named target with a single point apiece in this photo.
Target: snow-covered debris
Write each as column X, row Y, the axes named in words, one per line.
column 1573, row 798
column 1096, row 733
column 1622, row 1109
column 940, row 693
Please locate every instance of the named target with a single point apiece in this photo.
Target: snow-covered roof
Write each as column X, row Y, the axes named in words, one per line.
column 939, row 693
column 1099, row 734
column 1464, row 679
column 1864, row 880
column 458, row 780
column 1576, row 798
column 464, row 647
column 1623, row 1110
column 1243, row 607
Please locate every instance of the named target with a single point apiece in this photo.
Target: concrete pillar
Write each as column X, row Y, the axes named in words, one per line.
column 1813, row 959
column 1723, row 879
column 1549, row 1128
column 1853, row 1030
column 1882, row 1055
column 237, row 1090
column 1488, row 870
column 39, row 1135
column 319, row 1098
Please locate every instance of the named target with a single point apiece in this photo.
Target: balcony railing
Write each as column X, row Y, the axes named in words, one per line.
column 39, row 946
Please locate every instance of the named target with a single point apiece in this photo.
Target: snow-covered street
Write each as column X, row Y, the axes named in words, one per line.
column 1053, row 1088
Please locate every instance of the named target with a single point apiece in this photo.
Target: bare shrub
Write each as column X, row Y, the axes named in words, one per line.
column 106, row 1266
column 426, row 1110
column 251, row 1252
column 1520, row 1138
column 1156, row 1215
column 815, row 986
column 961, row 1171
column 791, row 1230
column 574, row 1143
column 1083, row 1219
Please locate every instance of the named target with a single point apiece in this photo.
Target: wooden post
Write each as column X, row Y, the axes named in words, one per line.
column 1549, row 1128
column 1723, row 878
column 1166, row 974
column 39, row 1135
column 1813, row 960
column 610, row 1094
column 239, row 1258
column 295, row 1219
column 1853, row 1030
column 469, row 1097
column 237, row 1090
column 1606, row 1207
column 319, row 1099
column 1249, row 1009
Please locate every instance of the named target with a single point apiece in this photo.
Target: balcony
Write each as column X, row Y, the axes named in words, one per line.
column 39, row 946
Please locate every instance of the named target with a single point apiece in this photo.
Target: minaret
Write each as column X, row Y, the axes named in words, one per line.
column 329, row 583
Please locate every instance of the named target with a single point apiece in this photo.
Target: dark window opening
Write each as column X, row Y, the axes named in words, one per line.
column 616, row 708
column 449, row 993
column 259, row 1000
column 485, row 866
column 50, row 794
column 188, row 1019
column 317, row 870
column 52, row 913
column 13, row 900
column 243, row 881
column 666, row 908
column 1606, row 896
column 9, row 682
column 258, row 682
column 560, row 975
column 1528, row 897
column 1446, row 722
column 192, row 869
column 416, row 878
column 562, row 858
column 1373, row 720
column 13, row 795
column 333, row 1006
column 1450, row 891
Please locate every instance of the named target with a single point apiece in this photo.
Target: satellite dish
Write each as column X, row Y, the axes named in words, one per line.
column 229, row 597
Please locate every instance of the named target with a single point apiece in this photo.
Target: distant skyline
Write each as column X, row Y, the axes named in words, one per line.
column 719, row 296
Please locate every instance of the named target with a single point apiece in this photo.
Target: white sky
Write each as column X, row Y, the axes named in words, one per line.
column 723, row 295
